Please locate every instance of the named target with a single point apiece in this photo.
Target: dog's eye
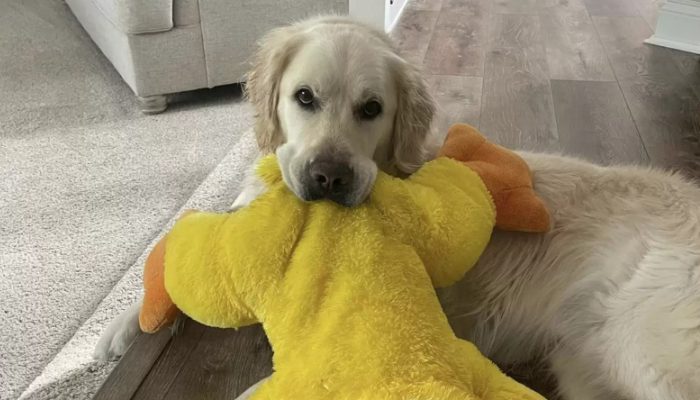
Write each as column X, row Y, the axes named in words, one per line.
column 305, row 97
column 371, row 109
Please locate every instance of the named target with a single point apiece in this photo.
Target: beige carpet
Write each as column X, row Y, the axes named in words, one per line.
column 87, row 184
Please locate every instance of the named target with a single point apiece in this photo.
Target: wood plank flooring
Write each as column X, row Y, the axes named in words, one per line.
column 517, row 108
column 592, row 117
column 458, row 99
column 458, row 42
column 564, row 75
column 573, row 49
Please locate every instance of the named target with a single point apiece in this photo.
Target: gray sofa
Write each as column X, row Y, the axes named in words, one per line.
column 168, row 46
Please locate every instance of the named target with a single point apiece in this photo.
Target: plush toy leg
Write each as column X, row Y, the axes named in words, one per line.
column 522, row 212
column 463, row 143
column 158, row 309
column 506, row 176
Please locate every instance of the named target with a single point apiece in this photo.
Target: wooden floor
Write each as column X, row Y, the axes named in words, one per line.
column 556, row 75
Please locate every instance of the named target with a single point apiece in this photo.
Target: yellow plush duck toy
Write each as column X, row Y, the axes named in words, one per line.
column 345, row 295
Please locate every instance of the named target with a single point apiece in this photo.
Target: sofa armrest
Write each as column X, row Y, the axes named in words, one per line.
column 138, row 16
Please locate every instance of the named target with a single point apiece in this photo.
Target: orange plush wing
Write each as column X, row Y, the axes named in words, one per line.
column 158, row 309
column 506, row 175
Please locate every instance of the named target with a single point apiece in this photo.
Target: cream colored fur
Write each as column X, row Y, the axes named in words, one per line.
column 610, row 297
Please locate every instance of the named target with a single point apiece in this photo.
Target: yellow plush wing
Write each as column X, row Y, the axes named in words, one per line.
column 221, row 267
column 430, row 212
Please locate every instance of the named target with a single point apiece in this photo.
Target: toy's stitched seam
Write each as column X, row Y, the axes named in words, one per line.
column 515, row 188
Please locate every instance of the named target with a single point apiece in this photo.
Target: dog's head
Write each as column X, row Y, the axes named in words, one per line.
column 335, row 102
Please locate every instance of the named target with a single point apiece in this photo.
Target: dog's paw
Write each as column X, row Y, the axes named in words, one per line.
column 249, row 392
column 118, row 335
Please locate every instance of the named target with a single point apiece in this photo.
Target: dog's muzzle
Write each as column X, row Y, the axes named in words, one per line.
column 332, row 180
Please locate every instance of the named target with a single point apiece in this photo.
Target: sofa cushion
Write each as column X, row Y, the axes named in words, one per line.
column 185, row 12
column 138, row 16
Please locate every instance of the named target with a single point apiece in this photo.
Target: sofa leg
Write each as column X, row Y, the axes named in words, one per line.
column 153, row 104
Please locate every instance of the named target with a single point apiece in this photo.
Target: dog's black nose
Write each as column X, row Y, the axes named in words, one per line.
column 331, row 177
column 332, row 180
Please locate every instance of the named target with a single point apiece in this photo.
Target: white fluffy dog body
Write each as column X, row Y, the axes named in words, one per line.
column 610, row 297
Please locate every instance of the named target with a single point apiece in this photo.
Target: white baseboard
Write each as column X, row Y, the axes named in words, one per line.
column 673, row 45
column 678, row 26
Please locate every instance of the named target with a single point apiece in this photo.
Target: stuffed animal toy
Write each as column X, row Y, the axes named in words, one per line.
column 507, row 178
column 345, row 295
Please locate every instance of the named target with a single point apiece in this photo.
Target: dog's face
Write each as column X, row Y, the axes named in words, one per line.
column 336, row 112
column 336, row 103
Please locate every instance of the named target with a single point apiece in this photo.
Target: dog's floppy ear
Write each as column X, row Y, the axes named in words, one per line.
column 269, row 62
column 414, row 117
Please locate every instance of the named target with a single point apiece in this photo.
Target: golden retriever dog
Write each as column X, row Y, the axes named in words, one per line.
column 610, row 298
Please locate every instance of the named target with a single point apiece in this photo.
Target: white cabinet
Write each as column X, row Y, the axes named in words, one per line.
column 678, row 26
column 381, row 14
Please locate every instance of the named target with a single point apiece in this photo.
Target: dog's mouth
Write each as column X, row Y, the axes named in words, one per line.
column 345, row 183
column 330, row 174
column 347, row 194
